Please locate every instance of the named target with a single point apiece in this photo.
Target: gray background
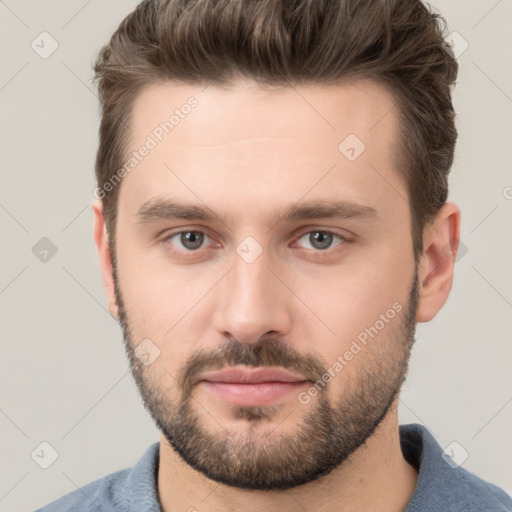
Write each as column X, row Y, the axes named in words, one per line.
column 65, row 379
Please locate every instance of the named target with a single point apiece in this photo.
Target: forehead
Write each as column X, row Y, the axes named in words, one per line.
column 311, row 113
column 231, row 145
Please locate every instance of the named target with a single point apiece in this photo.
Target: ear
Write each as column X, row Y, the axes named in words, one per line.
column 101, row 239
column 435, row 272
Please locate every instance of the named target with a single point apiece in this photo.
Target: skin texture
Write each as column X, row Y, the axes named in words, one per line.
column 247, row 154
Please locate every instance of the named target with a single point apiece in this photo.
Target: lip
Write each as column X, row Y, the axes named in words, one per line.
column 252, row 387
column 252, row 376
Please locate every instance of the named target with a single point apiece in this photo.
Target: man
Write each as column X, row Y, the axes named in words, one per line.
column 271, row 221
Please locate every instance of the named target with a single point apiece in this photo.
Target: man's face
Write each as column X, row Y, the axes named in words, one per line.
column 330, row 300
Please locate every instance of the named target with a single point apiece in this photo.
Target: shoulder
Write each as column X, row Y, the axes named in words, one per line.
column 120, row 491
column 442, row 484
column 102, row 495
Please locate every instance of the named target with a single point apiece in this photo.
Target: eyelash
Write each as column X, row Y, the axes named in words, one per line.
column 330, row 250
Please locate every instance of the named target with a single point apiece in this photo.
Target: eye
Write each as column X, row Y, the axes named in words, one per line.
column 190, row 240
column 321, row 239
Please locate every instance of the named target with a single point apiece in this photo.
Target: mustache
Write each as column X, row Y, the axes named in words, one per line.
column 265, row 352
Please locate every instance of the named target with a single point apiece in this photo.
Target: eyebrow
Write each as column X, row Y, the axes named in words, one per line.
column 157, row 209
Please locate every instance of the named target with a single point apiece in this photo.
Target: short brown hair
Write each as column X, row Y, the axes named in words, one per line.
column 398, row 43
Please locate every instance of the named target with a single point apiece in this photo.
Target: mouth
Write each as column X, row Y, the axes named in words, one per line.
column 252, row 387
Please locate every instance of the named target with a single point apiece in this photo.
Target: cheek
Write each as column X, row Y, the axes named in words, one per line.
column 149, row 294
column 364, row 304
column 162, row 304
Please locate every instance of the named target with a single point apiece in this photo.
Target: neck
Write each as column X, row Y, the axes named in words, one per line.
column 375, row 476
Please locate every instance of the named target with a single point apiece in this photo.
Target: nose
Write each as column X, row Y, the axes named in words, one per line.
column 251, row 301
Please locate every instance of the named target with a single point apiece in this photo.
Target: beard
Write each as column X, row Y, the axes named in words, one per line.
column 259, row 458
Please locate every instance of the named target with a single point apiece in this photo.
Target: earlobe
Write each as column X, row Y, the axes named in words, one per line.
column 101, row 240
column 435, row 273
